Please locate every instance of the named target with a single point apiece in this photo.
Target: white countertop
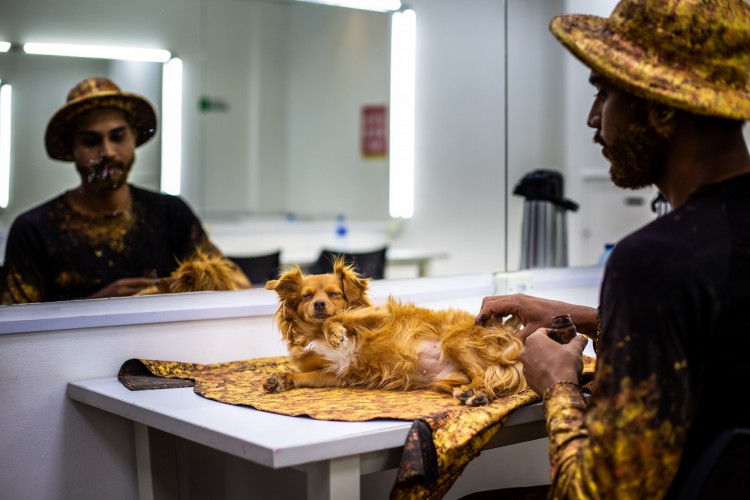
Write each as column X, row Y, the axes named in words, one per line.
column 265, row 438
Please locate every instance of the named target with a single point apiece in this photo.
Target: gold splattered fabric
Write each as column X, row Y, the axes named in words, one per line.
column 673, row 362
column 445, row 435
column 55, row 253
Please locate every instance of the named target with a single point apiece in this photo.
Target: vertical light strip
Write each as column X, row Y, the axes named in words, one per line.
column 5, row 98
column 401, row 135
column 171, row 138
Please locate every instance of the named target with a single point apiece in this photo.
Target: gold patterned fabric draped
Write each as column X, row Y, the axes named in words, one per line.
column 445, row 436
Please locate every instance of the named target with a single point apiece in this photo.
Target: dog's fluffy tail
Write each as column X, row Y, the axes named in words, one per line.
column 505, row 380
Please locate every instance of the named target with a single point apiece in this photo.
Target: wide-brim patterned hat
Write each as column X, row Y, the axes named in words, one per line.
column 692, row 55
column 96, row 93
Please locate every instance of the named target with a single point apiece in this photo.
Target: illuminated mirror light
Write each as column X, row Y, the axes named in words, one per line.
column 4, row 46
column 375, row 5
column 5, row 98
column 171, row 137
column 401, row 136
column 98, row 52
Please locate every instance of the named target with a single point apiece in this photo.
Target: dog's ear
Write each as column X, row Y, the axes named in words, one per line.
column 355, row 288
column 288, row 283
column 272, row 284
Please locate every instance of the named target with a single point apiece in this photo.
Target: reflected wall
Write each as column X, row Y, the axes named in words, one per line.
column 294, row 78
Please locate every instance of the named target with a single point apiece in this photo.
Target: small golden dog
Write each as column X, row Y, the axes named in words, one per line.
column 201, row 273
column 336, row 338
column 307, row 301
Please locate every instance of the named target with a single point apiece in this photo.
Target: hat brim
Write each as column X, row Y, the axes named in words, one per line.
column 645, row 74
column 58, row 134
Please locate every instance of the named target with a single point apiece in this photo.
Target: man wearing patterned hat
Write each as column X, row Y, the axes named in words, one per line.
column 106, row 238
column 672, row 81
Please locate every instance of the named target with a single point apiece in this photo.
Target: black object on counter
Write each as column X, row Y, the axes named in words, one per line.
column 544, row 241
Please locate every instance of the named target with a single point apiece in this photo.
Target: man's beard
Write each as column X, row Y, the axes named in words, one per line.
column 637, row 159
column 106, row 175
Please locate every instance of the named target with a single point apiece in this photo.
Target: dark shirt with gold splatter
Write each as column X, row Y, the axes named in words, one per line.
column 55, row 253
column 673, row 363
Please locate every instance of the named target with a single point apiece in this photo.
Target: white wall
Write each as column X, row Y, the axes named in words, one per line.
column 53, row 448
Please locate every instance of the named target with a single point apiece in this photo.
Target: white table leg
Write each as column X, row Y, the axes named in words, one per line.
column 156, row 463
column 143, row 462
column 336, row 479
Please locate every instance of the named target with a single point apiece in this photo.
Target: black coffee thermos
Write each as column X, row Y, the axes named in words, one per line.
column 544, row 239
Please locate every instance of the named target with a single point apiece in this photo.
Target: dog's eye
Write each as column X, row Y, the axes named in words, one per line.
column 307, row 295
column 334, row 295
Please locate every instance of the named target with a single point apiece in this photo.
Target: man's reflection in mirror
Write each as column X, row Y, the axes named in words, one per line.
column 105, row 238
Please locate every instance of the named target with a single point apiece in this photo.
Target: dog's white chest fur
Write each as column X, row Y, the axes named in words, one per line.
column 339, row 358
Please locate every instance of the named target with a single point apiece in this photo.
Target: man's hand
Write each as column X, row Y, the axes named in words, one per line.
column 535, row 312
column 546, row 362
column 124, row 287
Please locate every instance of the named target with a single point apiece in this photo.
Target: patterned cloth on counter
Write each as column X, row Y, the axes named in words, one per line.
column 445, row 436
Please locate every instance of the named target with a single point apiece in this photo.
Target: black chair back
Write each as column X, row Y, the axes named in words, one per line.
column 722, row 471
column 259, row 268
column 367, row 264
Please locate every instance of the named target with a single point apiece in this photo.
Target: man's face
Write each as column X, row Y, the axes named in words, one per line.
column 635, row 150
column 103, row 149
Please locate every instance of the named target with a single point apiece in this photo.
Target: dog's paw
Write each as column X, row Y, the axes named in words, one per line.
column 470, row 397
column 335, row 334
column 277, row 383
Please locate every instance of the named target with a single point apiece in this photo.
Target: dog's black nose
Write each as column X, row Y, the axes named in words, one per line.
column 320, row 305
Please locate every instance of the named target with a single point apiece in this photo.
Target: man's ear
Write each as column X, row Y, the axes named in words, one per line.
column 662, row 118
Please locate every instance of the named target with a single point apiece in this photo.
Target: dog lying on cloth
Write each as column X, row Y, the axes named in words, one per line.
column 444, row 437
column 337, row 338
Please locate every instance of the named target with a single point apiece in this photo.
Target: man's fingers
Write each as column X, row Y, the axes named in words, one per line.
column 496, row 305
column 579, row 342
column 527, row 330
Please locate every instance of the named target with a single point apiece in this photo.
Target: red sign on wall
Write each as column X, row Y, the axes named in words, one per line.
column 374, row 131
